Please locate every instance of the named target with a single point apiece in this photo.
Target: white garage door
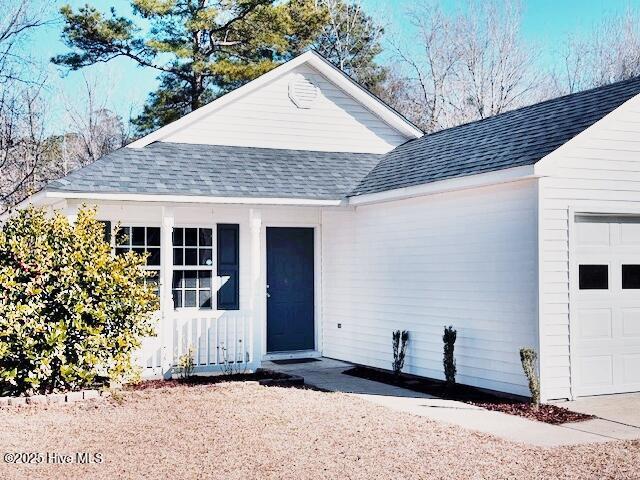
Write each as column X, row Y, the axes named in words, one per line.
column 606, row 308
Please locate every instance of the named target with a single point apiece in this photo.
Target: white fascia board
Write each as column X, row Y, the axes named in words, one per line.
column 39, row 199
column 314, row 59
column 459, row 183
column 141, row 197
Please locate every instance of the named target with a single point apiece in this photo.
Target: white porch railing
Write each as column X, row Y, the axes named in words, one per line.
column 215, row 341
column 220, row 341
column 149, row 356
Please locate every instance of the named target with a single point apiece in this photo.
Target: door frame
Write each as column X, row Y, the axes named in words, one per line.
column 317, row 294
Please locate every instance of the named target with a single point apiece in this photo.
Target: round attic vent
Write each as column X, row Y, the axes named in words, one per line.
column 302, row 92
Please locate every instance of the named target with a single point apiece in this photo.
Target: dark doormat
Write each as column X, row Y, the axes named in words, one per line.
column 293, row 361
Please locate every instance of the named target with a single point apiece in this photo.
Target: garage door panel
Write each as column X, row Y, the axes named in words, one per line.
column 631, row 322
column 594, row 323
column 596, row 370
column 630, row 233
column 593, row 233
column 630, row 370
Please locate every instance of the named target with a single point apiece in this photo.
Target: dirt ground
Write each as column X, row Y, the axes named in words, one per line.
column 245, row 431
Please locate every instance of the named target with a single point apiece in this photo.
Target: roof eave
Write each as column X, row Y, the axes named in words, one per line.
column 505, row 175
column 171, row 198
column 38, row 199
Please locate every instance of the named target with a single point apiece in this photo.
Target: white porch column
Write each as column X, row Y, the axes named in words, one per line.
column 166, row 299
column 71, row 212
column 258, row 292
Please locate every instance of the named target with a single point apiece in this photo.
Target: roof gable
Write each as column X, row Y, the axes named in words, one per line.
column 305, row 104
column 512, row 139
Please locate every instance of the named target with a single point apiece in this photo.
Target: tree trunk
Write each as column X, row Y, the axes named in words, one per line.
column 197, row 90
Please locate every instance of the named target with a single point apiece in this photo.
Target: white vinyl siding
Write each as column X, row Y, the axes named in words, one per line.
column 465, row 258
column 267, row 118
column 598, row 171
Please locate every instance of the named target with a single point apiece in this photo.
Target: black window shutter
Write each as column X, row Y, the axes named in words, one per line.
column 107, row 230
column 228, row 236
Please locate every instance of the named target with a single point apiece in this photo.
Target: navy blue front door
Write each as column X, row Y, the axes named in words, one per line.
column 290, row 299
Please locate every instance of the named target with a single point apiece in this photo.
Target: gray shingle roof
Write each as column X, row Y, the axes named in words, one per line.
column 516, row 138
column 211, row 170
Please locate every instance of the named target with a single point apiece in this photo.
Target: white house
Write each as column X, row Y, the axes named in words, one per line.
column 299, row 215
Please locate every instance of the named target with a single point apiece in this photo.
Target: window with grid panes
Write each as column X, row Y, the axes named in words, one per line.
column 142, row 240
column 192, row 268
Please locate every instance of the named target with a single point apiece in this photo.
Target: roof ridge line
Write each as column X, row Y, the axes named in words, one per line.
column 213, row 145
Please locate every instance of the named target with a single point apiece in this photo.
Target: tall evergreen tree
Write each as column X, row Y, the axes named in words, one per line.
column 205, row 48
column 201, row 48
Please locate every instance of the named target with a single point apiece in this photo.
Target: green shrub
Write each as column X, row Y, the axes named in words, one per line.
column 399, row 343
column 186, row 364
column 449, row 361
column 528, row 357
column 71, row 313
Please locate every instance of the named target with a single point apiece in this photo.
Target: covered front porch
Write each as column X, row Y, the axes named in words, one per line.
column 237, row 284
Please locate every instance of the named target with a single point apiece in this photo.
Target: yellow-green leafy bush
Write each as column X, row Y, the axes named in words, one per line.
column 71, row 313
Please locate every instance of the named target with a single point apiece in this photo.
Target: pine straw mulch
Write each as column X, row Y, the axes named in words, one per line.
column 244, row 431
column 259, row 375
column 547, row 413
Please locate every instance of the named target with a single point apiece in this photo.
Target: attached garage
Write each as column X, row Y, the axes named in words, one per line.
column 606, row 300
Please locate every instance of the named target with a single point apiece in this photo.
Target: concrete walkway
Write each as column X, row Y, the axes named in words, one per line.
column 327, row 375
column 623, row 408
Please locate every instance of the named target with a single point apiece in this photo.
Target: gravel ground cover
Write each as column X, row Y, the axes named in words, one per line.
column 242, row 430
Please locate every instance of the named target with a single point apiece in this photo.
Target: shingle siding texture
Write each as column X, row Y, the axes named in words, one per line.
column 210, row 170
column 513, row 139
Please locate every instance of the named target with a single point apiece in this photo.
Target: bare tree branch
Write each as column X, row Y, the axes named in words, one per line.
column 466, row 65
column 22, row 132
column 94, row 129
column 610, row 52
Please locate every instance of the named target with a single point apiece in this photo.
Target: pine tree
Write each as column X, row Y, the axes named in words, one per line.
column 201, row 48
column 205, row 48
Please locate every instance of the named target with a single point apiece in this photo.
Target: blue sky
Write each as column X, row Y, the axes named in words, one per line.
column 546, row 23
